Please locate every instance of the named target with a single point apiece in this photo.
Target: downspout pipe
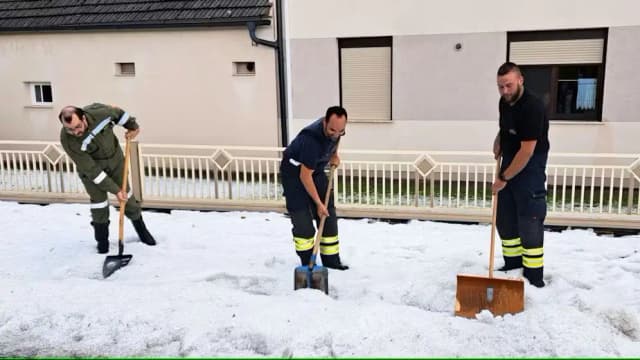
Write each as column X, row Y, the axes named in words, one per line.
column 278, row 45
column 252, row 26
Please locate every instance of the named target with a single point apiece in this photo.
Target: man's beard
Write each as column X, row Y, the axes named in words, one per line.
column 84, row 130
column 513, row 97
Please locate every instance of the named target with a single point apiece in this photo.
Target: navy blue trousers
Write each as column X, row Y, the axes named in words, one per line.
column 522, row 208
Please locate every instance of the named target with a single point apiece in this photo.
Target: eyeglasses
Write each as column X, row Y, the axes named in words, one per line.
column 334, row 132
column 338, row 134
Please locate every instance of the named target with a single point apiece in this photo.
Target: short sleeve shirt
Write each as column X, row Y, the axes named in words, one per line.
column 523, row 121
column 311, row 148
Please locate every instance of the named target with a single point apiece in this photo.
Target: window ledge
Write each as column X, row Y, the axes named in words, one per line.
column 576, row 122
column 39, row 106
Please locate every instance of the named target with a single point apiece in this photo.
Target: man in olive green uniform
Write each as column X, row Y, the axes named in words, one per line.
column 87, row 137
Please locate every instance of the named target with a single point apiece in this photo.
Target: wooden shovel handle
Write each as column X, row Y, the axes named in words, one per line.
column 494, row 213
column 124, row 189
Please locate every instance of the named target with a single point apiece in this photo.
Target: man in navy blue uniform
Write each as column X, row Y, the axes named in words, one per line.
column 305, row 184
column 523, row 143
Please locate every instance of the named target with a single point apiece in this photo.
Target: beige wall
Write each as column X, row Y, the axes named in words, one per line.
column 430, row 78
column 433, row 81
column 622, row 77
column 183, row 92
column 339, row 18
column 447, row 100
column 314, row 77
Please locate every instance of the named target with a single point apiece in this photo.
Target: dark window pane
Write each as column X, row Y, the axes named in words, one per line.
column 127, row 68
column 577, row 89
column 38, row 91
column 46, row 93
column 537, row 79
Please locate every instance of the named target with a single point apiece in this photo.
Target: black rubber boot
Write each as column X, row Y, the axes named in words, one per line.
column 102, row 236
column 507, row 267
column 143, row 233
column 511, row 262
column 534, row 276
column 333, row 262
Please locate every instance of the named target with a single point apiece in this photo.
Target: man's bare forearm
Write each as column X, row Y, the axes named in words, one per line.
column 518, row 163
column 307, row 182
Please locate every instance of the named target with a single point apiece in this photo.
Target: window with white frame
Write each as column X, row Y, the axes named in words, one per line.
column 565, row 68
column 41, row 93
column 365, row 77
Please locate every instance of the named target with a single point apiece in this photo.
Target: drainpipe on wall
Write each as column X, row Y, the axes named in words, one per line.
column 279, row 46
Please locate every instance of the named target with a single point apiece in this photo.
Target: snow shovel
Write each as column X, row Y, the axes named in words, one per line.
column 315, row 276
column 114, row 262
column 475, row 293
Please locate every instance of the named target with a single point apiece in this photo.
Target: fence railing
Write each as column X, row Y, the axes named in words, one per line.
column 421, row 184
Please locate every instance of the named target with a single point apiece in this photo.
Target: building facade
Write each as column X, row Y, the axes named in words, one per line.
column 422, row 74
column 188, row 70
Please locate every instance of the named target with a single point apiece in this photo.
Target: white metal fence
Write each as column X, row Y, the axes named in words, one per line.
column 601, row 188
column 210, row 173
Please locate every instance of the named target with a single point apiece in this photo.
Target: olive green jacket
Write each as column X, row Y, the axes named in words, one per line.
column 97, row 153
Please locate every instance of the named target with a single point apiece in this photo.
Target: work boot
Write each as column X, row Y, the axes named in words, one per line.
column 539, row 283
column 143, row 233
column 512, row 262
column 102, row 236
column 534, row 276
column 333, row 262
column 507, row 267
column 305, row 256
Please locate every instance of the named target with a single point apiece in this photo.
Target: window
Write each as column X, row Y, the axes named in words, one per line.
column 126, row 69
column 365, row 78
column 564, row 68
column 41, row 93
column 245, row 68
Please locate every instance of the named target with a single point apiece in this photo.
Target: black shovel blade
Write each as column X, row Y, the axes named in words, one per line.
column 316, row 278
column 114, row 262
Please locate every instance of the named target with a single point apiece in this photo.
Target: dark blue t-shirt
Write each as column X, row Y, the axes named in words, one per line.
column 310, row 147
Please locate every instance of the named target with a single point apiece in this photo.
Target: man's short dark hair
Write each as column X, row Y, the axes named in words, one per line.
column 66, row 114
column 335, row 110
column 508, row 67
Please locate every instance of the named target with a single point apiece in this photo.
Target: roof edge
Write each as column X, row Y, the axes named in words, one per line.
column 140, row 26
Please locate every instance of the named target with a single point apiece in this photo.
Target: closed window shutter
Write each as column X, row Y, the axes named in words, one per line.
column 366, row 82
column 583, row 51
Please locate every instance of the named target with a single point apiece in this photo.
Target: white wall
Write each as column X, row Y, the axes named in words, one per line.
column 352, row 18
